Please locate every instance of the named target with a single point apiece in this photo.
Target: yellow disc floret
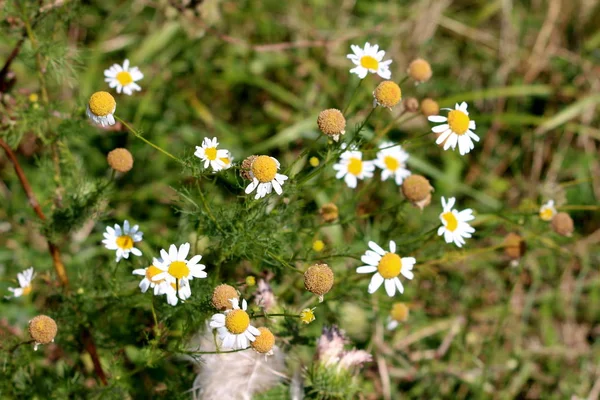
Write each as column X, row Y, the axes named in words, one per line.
column 307, row 315
column 42, row 329
column 178, row 269
column 211, row 153
column 390, row 265
column 355, row 166
column 451, row 221
column 547, row 213
column 391, row 163
column 399, row 312
column 151, row 272
column 420, row 70
column 222, row 295
column 458, row 121
column 102, row 103
column 318, row 279
column 120, row 160
column 124, row 78
column 125, row 242
column 237, row 321
column 331, row 122
column 264, row 342
column 369, row 62
column 387, row 94
column 26, row 290
column 264, row 168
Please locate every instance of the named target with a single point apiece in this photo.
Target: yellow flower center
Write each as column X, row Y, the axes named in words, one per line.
column 546, row 214
column 125, row 242
column 124, row 78
column 307, row 316
column 225, row 160
column 451, row 221
column 390, row 265
column 152, row 271
column 388, row 94
column 237, row 321
column 391, row 163
column 355, row 166
column 211, row 153
column 102, row 104
column 179, row 269
column 26, row 290
column 458, row 121
column 264, row 168
column 369, row 62
column 399, row 312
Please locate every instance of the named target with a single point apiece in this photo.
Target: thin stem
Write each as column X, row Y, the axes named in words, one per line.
column 352, row 96
column 216, row 352
column 285, row 263
column 275, row 315
column 139, row 136
column 207, row 209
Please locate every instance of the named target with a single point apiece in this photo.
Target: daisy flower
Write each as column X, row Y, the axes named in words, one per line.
column 392, row 161
column 387, row 266
column 123, row 240
column 170, row 290
column 147, row 282
column 101, row 108
column 176, row 267
column 455, row 226
column 399, row 313
column 351, row 167
column 307, row 315
column 123, row 78
column 227, row 160
column 368, row 60
column 548, row 211
column 264, row 176
column 457, row 128
column 233, row 326
column 217, row 159
column 24, row 288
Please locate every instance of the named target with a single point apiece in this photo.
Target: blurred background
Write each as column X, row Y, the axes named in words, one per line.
column 256, row 74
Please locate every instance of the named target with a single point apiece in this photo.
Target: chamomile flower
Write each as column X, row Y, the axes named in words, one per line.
column 24, row 278
column 218, row 159
column 227, row 160
column 548, row 211
column 307, row 315
column 351, row 167
column 175, row 266
column 369, row 59
column 264, row 176
column 123, row 78
column 388, row 266
column 233, row 326
column 123, row 240
column 457, row 128
column 101, row 108
column 392, row 161
column 455, row 226
column 399, row 313
column 173, row 295
column 147, row 282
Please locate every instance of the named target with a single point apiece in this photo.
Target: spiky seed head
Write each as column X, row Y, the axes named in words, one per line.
column 416, row 188
column 331, row 122
column 387, row 94
column 222, row 295
column 318, row 279
column 420, row 70
column 43, row 329
column 264, row 342
column 120, row 160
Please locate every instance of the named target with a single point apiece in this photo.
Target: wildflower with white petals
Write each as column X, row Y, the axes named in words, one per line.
column 173, row 294
column 351, row 167
column 176, row 267
column 101, row 108
column 398, row 314
column 548, row 211
column 457, row 128
column 24, row 288
column 123, row 240
column 148, row 273
column 233, row 326
column 392, row 161
column 263, row 172
column 123, row 78
column 218, row 159
column 455, row 226
column 387, row 266
column 369, row 59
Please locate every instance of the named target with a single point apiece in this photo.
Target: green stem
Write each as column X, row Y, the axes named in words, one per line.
column 285, row 263
column 275, row 315
column 352, row 97
column 139, row 136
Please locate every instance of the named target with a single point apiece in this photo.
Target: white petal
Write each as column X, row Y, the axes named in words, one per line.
column 376, row 281
column 366, row 269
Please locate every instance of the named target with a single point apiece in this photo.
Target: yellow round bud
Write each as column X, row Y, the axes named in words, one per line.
column 264, row 342
column 332, row 123
column 514, row 246
column 329, row 212
column 314, row 162
column 222, row 295
column 120, row 160
column 318, row 279
column 43, row 329
column 250, row 280
column 102, row 103
column 307, row 315
column 562, row 223
column 318, row 245
column 429, row 107
column 387, row 94
column 420, row 70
